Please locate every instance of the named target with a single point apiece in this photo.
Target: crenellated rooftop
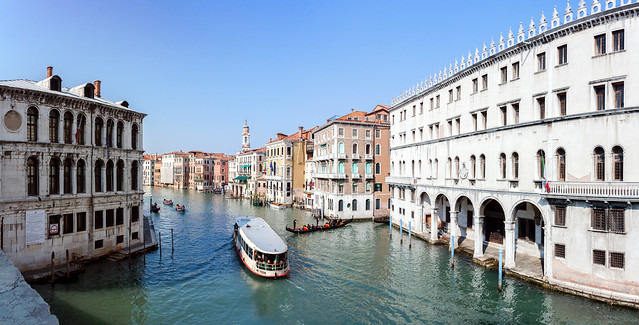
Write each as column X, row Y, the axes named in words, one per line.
column 597, row 7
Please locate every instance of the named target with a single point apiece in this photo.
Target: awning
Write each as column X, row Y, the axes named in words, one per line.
column 242, row 178
column 246, row 166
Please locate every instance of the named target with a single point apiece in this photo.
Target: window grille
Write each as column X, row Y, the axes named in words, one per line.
column 560, row 216
column 599, row 257
column 617, row 260
column 560, row 250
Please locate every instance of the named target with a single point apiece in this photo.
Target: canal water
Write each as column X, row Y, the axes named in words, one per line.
column 351, row 275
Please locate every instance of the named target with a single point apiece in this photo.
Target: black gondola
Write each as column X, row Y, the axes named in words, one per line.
column 155, row 208
column 382, row 220
column 336, row 224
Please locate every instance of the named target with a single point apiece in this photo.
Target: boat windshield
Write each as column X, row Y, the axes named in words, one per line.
column 271, row 262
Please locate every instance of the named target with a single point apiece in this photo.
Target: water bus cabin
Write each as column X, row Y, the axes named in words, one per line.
column 260, row 248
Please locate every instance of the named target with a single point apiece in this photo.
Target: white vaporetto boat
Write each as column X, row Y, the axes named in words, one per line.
column 261, row 250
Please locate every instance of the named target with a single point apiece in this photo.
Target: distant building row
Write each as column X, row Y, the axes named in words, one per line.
column 195, row 170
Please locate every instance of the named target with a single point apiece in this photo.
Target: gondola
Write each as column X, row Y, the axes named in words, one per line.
column 302, row 230
column 340, row 223
column 155, row 208
column 168, row 202
column 180, row 208
column 381, row 220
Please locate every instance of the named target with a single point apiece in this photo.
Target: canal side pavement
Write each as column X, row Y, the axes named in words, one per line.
column 19, row 303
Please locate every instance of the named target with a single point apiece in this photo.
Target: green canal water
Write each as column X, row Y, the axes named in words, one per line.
column 351, row 275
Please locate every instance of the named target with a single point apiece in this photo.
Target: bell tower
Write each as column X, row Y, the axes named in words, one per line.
column 246, row 145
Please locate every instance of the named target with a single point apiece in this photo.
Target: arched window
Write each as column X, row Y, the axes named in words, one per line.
column 617, row 161
column 340, row 205
column 32, row 124
column 99, row 164
column 368, row 187
column 109, row 131
column 600, row 164
column 340, row 147
column 68, row 125
column 456, row 167
column 378, row 168
column 32, row 177
column 541, row 164
column 120, row 132
column 134, row 176
column 99, row 124
column 473, row 163
column 80, row 176
column 482, row 166
column 368, row 149
column 449, row 168
column 354, row 205
column 54, row 176
column 436, row 168
column 515, row 162
column 54, row 123
column 430, row 168
column 134, row 137
column 340, row 168
column 79, row 133
column 354, row 148
column 68, row 164
column 368, row 204
column 109, row 176
column 378, row 149
column 355, row 169
column 368, row 168
column 502, row 165
column 561, row 165
column 120, row 175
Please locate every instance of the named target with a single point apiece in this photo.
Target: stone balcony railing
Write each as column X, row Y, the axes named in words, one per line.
column 369, row 156
column 355, row 176
column 341, row 156
column 369, row 175
column 402, row 180
column 355, row 156
column 595, row 189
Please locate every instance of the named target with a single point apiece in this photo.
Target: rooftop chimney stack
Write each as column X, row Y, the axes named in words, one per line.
column 300, row 130
column 352, row 110
column 49, row 71
column 97, row 87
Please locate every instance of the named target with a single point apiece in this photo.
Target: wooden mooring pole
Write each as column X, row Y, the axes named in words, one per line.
column 452, row 252
column 500, row 270
column 2, row 234
column 171, row 241
column 160, row 242
column 401, row 231
column 390, row 226
column 52, row 267
column 68, row 266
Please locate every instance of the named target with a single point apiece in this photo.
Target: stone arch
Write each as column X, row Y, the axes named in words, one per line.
column 528, row 234
column 493, row 212
column 443, row 208
column 465, row 209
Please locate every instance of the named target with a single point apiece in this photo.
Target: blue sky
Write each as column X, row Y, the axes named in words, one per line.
column 200, row 68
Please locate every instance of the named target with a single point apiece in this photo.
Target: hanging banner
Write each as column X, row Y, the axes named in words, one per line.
column 35, row 227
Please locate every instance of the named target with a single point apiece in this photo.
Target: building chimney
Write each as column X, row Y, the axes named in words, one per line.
column 300, row 132
column 49, row 71
column 352, row 110
column 97, row 87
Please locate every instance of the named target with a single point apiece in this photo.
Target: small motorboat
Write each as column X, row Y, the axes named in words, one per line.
column 278, row 206
column 180, row 208
column 168, row 202
column 304, row 229
column 155, row 208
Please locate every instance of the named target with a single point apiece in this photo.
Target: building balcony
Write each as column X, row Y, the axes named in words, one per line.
column 402, row 180
column 595, row 189
column 339, row 175
column 322, row 175
column 369, row 175
column 355, row 176
column 369, row 156
column 355, row 156
column 341, row 156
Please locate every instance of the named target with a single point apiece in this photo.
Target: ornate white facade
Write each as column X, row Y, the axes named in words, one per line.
column 70, row 172
column 529, row 147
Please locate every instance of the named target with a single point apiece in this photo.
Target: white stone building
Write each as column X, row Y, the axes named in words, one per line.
column 528, row 146
column 70, row 172
column 148, row 169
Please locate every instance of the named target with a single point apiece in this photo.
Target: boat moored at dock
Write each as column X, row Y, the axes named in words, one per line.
column 260, row 248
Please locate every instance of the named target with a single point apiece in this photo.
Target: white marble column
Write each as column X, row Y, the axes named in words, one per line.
column 509, row 245
column 478, row 221
column 433, row 223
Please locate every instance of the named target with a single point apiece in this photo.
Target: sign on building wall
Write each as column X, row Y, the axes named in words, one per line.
column 35, row 227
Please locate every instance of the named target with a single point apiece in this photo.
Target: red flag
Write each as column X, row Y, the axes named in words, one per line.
column 547, row 187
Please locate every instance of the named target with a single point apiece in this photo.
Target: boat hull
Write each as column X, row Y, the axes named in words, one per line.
column 252, row 265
